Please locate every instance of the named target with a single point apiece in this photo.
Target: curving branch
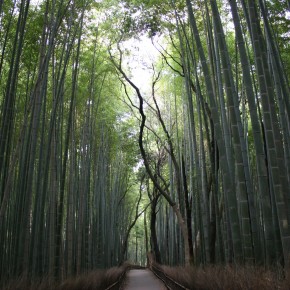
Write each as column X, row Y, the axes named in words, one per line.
column 162, row 191
column 142, row 126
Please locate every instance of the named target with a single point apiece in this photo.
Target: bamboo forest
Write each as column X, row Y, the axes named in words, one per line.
column 144, row 134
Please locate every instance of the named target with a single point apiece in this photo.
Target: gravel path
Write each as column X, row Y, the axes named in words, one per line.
column 142, row 280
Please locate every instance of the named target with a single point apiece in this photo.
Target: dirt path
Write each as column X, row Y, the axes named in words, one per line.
column 142, row 280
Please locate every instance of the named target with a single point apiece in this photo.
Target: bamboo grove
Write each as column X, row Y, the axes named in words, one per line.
column 63, row 173
column 199, row 166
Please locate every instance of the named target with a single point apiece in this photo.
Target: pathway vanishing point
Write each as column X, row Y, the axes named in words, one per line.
column 142, row 280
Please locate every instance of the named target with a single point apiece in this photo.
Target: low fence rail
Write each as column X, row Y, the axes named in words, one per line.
column 117, row 285
column 168, row 281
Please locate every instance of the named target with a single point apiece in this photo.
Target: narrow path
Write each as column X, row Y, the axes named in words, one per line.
column 142, row 280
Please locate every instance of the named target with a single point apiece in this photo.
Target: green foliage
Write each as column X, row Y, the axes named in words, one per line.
column 279, row 18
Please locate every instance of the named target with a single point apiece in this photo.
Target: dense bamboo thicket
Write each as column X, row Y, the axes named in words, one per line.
column 236, row 137
column 96, row 167
column 64, row 173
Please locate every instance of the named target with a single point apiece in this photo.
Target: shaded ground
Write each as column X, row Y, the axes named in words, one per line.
column 142, row 280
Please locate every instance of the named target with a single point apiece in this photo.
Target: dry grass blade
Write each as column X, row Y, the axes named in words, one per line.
column 229, row 278
column 95, row 280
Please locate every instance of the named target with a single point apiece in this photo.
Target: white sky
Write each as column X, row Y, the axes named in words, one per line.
column 143, row 55
column 35, row 2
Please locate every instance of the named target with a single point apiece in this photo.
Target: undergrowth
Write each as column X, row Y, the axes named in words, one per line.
column 229, row 278
column 193, row 278
column 94, row 280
